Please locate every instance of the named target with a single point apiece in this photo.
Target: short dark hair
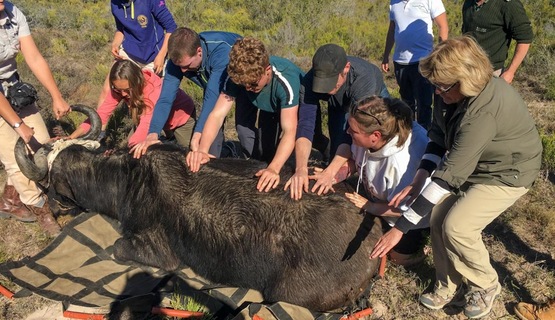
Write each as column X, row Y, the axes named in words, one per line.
column 182, row 42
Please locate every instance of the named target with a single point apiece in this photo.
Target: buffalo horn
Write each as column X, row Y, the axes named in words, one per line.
column 34, row 170
column 96, row 124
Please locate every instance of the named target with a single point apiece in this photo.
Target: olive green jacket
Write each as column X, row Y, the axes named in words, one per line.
column 490, row 139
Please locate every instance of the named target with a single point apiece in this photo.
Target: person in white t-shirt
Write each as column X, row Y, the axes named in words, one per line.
column 410, row 30
column 386, row 149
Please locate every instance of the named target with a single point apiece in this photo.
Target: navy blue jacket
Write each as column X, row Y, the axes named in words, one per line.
column 142, row 23
column 211, row 76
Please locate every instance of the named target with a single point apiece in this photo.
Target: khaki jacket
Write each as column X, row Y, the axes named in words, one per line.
column 490, row 139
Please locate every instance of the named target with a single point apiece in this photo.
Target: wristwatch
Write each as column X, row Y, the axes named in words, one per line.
column 17, row 124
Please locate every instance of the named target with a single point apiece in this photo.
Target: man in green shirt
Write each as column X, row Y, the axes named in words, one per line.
column 494, row 23
column 269, row 85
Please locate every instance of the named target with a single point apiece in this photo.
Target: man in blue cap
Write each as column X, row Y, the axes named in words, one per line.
column 341, row 81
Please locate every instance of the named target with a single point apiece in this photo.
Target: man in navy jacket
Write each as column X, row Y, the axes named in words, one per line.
column 203, row 59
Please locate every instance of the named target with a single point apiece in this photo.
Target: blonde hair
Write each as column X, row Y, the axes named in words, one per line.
column 128, row 70
column 391, row 117
column 460, row 60
column 248, row 61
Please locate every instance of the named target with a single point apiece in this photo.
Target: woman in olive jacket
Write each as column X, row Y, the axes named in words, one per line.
column 484, row 154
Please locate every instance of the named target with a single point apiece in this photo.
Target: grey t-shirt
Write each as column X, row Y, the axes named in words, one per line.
column 13, row 26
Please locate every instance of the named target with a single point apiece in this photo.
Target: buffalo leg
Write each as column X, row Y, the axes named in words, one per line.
column 143, row 252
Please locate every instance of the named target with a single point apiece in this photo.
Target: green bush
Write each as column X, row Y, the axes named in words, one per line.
column 548, row 156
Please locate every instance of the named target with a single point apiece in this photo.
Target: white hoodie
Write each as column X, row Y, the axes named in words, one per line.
column 385, row 172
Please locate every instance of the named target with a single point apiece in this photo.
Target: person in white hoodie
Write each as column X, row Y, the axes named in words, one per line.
column 386, row 149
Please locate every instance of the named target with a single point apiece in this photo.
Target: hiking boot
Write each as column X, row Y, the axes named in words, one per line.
column 527, row 311
column 46, row 220
column 480, row 301
column 12, row 207
column 435, row 300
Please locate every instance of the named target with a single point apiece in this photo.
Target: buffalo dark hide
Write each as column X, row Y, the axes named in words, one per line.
column 313, row 252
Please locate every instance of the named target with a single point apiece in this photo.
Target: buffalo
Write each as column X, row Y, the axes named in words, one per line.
column 313, row 252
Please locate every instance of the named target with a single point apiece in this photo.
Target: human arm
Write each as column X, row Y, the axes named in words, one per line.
column 519, row 28
column 308, row 115
column 213, row 124
column 521, row 50
column 141, row 131
column 160, row 58
column 162, row 109
column 380, row 209
column 442, row 26
column 11, row 118
column 217, row 65
column 164, row 17
column 421, row 207
column 269, row 177
column 299, row 181
column 41, row 70
column 116, row 43
column 389, row 42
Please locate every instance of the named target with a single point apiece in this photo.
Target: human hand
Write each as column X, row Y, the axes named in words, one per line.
column 268, row 179
column 60, row 107
column 298, row 183
column 385, row 66
column 195, row 159
column 508, row 76
column 411, row 191
column 386, row 242
column 324, row 181
column 25, row 132
column 356, row 199
column 140, row 148
column 115, row 52
column 159, row 63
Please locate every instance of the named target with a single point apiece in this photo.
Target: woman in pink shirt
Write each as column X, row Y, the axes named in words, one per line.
column 140, row 89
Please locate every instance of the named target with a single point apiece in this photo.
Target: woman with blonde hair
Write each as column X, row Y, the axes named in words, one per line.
column 386, row 149
column 484, row 154
column 140, row 89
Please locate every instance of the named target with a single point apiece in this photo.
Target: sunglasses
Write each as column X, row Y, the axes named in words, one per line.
column 367, row 114
column 442, row 89
column 120, row 91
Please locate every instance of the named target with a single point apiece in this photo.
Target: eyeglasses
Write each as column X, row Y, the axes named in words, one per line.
column 442, row 89
column 367, row 114
column 120, row 91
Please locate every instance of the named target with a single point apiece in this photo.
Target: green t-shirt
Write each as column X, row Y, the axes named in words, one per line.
column 281, row 92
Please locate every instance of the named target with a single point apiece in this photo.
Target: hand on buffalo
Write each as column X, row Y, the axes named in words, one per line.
column 298, row 183
column 389, row 240
column 268, row 179
column 140, row 148
column 324, row 181
column 195, row 159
